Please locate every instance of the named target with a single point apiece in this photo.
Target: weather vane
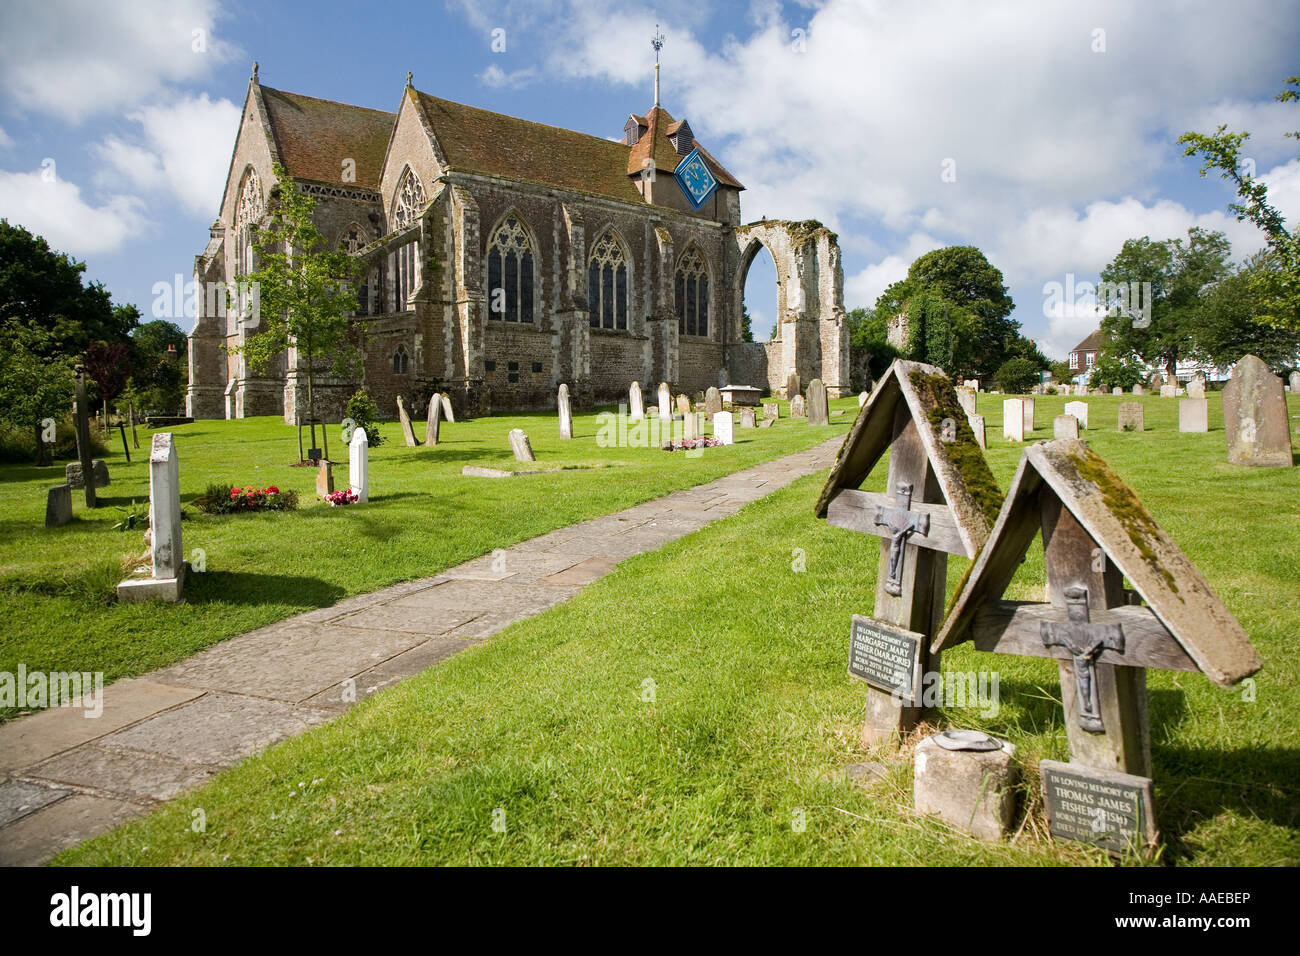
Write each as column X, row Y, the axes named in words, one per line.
column 657, row 41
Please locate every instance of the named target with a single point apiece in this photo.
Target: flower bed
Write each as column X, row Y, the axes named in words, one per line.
column 690, row 444
column 227, row 499
column 344, row 496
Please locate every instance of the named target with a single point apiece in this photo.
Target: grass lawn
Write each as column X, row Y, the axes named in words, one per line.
column 57, row 586
column 693, row 707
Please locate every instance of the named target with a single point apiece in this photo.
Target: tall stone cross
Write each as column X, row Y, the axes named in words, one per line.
column 1085, row 641
column 901, row 523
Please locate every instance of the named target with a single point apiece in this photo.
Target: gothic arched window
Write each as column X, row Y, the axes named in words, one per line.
column 401, row 361
column 408, row 201
column 510, row 273
column 607, row 284
column 248, row 215
column 693, row 294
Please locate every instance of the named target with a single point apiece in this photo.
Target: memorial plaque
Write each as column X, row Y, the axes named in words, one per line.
column 885, row 657
column 1106, row 808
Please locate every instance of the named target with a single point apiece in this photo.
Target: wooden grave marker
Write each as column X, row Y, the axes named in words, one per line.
column 941, row 499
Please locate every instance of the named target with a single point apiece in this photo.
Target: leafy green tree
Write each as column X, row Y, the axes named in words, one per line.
column 1061, row 372
column 1277, row 285
column 365, row 414
column 1017, row 376
column 1233, row 320
column 1177, row 270
column 306, row 290
column 33, row 388
column 746, row 329
column 1116, row 370
column 868, row 333
column 159, row 377
column 42, row 296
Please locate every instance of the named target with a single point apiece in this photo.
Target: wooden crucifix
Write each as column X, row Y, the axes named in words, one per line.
column 940, row 499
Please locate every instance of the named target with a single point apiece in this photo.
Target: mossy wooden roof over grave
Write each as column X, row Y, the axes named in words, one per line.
column 1112, row 514
column 968, row 485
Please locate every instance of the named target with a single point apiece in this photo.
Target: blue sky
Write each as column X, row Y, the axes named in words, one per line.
column 1041, row 132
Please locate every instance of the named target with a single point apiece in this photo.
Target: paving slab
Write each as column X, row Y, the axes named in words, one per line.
column 124, row 774
column 38, row 837
column 21, row 797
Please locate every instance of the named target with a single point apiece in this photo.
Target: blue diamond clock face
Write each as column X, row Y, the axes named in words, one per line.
column 695, row 178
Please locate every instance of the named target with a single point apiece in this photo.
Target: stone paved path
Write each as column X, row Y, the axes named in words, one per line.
column 65, row 778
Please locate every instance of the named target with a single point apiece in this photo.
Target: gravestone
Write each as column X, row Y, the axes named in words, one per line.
column 636, row 406
column 359, row 465
column 1295, row 383
column 862, row 398
column 746, row 418
column 724, row 428
column 1139, row 390
column 665, row 403
column 771, row 410
column 1098, row 540
column 968, row 780
column 408, row 433
column 166, row 571
column 683, row 404
column 1030, row 422
column 1168, row 391
column 1193, row 415
column 1065, row 426
column 1132, row 417
column 565, row 411
column 325, row 479
column 1117, row 390
column 652, row 411
column 766, row 423
column 521, row 446
column 98, row 468
column 1255, row 416
column 433, row 423
column 1196, row 388
column 1013, row 419
column 1080, row 411
column 940, row 500
column 967, row 397
column 793, row 386
column 58, row 506
column 712, row 402
column 798, row 408
column 976, row 423
column 81, row 420
column 447, row 413
column 691, row 425
column 819, row 412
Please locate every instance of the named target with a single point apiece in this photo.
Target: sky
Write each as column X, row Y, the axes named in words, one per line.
column 1043, row 133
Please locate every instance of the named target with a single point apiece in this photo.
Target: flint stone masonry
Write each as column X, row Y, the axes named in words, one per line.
column 973, row 791
column 818, row 406
column 1065, row 426
column 1080, row 411
column 1193, row 415
column 165, row 733
column 1131, row 417
column 1255, row 417
column 72, row 473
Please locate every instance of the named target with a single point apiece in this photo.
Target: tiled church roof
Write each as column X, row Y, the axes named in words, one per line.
column 660, row 127
column 315, row 136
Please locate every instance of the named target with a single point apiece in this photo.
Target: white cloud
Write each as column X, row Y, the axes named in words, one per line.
column 53, row 208
column 183, row 149
column 6, row 140
column 76, row 59
column 862, row 290
column 498, row 78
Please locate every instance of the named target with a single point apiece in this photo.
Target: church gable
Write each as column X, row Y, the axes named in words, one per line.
column 328, row 142
column 412, row 157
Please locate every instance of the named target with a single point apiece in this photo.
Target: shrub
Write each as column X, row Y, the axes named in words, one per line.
column 1017, row 376
column 1116, row 372
column 229, row 499
column 364, row 412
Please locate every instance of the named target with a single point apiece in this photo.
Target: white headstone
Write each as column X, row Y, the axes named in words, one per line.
column 723, row 428
column 665, row 403
column 1029, row 415
column 977, row 426
column 1080, row 411
column 1065, row 426
column 565, row 411
column 636, row 406
column 1168, row 391
column 433, row 422
column 1013, row 419
column 447, row 413
column 521, row 446
column 165, row 508
column 1193, row 415
column 359, row 464
column 1117, row 390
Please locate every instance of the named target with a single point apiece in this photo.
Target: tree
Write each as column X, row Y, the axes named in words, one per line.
column 746, row 329
column 33, row 388
column 1061, row 372
column 1116, row 371
column 868, row 333
column 1229, row 322
column 1017, row 376
column 1278, row 284
column 159, row 377
column 42, row 297
column 108, row 365
column 1177, row 271
column 306, row 290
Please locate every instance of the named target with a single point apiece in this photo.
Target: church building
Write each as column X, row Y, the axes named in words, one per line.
column 505, row 257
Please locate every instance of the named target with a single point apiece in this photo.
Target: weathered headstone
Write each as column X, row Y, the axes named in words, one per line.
column 683, row 404
column 862, row 398
column 692, row 425
column 967, row 397
column 1196, row 388
column 766, row 422
column 98, row 468
column 798, row 407
column 1168, row 391
column 1117, row 390
column 325, row 478
column 1080, row 411
column 433, row 423
column 746, row 418
column 1065, row 426
column 1030, row 422
column 636, row 406
column 652, row 411
column 1255, row 416
column 81, row 413
column 1295, row 382
column 665, row 402
column 521, row 446
column 565, row 411
column 968, row 780
column 58, row 506
column 977, row 426
column 724, row 428
column 1139, row 390
column 793, row 386
column 359, row 464
column 1193, row 414
column 712, row 402
column 447, row 412
column 819, row 412
column 740, row 394
column 1013, row 419
column 166, row 580
column 771, row 410
column 1132, row 417
column 408, row 433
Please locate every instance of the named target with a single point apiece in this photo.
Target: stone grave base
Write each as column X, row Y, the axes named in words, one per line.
column 973, row 791
column 144, row 588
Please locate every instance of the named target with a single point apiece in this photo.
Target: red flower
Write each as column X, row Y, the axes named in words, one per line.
column 273, row 490
column 234, row 492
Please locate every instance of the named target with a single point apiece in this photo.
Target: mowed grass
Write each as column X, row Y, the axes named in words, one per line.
column 692, row 707
column 57, row 586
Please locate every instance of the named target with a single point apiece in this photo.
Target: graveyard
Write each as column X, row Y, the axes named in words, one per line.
column 692, row 706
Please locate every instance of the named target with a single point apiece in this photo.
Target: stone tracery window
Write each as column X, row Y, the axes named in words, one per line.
column 401, row 361
column 510, row 273
column 692, row 287
column 607, row 284
column 249, row 212
column 408, row 201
